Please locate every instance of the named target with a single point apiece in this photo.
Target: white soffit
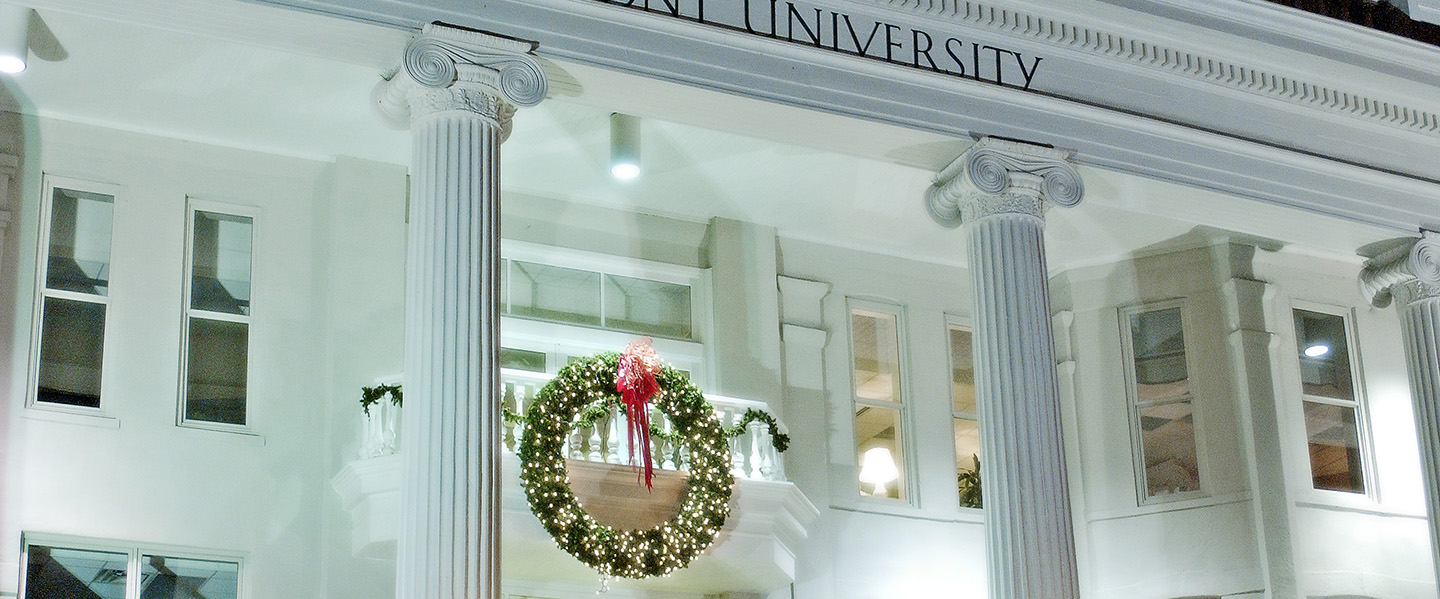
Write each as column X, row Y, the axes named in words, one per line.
column 1175, row 100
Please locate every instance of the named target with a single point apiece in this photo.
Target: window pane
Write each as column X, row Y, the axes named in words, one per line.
column 962, row 371
column 175, row 578
column 220, row 279
column 80, row 224
column 1159, row 344
column 215, row 377
column 1334, row 447
column 882, row 463
column 648, row 307
column 72, row 340
column 877, row 355
column 1167, row 433
column 521, row 359
column 554, row 293
column 967, row 461
column 1324, row 355
column 57, row 572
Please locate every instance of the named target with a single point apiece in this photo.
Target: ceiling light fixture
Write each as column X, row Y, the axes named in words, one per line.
column 1317, row 350
column 14, row 38
column 624, row 146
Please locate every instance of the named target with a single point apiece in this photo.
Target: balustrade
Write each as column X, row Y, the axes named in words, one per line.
column 752, row 453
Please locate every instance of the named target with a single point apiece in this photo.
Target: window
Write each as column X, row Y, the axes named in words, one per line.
column 583, row 289
column 879, row 400
column 217, row 317
column 1162, row 410
column 1333, row 418
column 967, row 418
column 114, row 571
column 73, row 296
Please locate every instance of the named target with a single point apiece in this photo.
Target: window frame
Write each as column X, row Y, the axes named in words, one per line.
column 193, row 205
column 134, row 552
column 959, row 322
column 1364, row 436
column 905, row 443
column 605, row 265
column 49, row 183
column 1134, row 403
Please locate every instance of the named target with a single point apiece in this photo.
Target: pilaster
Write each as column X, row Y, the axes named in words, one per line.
column 1408, row 274
column 999, row 191
column 456, row 90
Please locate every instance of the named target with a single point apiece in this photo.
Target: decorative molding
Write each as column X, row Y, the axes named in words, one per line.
column 1163, row 57
column 998, row 176
column 451, row 69
column 801, row 301
column 1409, row 271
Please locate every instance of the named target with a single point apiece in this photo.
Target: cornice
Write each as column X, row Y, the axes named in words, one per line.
column 1108, row 43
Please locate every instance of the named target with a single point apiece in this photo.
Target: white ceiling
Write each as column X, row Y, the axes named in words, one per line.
column 263, row 78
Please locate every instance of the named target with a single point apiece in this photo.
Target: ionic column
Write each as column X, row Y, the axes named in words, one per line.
column 997, row 191
column 1409, row 274
column 456, row 91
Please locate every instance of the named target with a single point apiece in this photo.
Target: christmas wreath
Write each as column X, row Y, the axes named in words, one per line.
column 584, row 391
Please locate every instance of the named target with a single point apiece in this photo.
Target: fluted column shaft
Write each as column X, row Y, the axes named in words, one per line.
column 451, row 502
column 1028, row 533
column 1408, row 273
column 456, row 91
column 1420, row 325
column 999, row 191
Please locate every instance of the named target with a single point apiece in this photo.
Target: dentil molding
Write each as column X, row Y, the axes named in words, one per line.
column 1193, row 64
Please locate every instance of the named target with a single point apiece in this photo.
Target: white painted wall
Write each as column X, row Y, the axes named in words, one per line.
column 1375, row 546
column 869, row 547
column 147, row 480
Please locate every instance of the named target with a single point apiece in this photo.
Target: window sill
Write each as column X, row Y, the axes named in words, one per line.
column 901, row 509
column 231, row 434
column 1170, row 506
column 1359, row 504
column 94, row 418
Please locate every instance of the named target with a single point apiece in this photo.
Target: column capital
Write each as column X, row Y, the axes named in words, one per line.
column 450, row 69
column 1407, row 269
column 1000, row 176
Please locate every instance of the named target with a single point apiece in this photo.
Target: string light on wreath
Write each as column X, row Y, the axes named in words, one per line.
column 587, row 387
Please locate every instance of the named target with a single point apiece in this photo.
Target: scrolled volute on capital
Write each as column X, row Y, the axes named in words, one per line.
column 463, row 63
column 1410, row 270
column 1002, row 176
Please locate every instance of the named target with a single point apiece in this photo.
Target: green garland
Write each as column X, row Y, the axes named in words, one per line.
column 581, row 388
column 370, row 396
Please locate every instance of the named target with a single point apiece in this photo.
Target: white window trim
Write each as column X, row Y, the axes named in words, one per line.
column 907, row 428
column 962, row 322
column 1304, row 479
column 192, row 205
column 42, row 261
column 134, row 551
column 695, row 279
column 1132, row 401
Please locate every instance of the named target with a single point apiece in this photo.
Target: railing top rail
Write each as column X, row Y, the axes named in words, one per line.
column 719, row 401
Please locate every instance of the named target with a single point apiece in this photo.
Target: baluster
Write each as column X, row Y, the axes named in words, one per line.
column 667, row 448
column 737, row 457
column 754, row 432
column 576, row 438
column 617, row 430
column 595, row 443
column 522, row 403
column 508, row 440
column 767, row 452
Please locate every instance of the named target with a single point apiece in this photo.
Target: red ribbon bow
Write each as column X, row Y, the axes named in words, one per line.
column 636, row 383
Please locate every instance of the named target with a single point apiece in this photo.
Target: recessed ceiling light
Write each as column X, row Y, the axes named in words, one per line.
column 1317, row 350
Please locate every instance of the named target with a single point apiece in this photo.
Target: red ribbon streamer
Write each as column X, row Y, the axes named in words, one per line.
column 636, row 383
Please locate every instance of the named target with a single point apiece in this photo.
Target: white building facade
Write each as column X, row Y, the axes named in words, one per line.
column 1211, row 370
